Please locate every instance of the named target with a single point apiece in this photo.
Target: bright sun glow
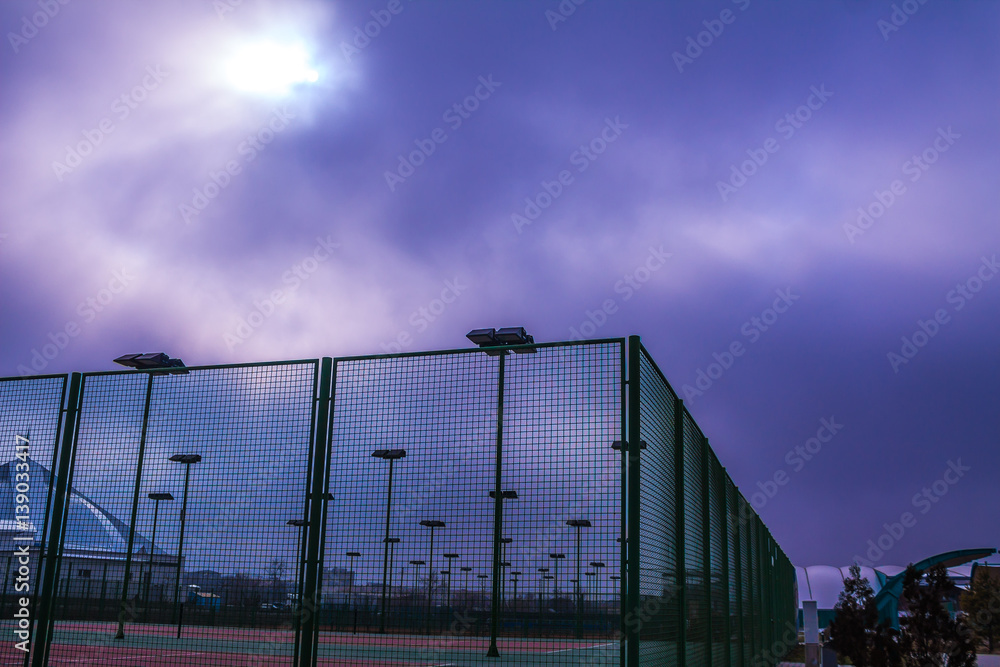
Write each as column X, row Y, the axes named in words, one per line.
column 268, row 67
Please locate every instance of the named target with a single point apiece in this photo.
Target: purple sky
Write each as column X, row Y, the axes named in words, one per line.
column 629, row 136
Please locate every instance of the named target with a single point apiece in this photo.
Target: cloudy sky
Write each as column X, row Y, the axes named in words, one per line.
column 789, row 201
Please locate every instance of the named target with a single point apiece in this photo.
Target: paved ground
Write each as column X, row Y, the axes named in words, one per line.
column 983, row 661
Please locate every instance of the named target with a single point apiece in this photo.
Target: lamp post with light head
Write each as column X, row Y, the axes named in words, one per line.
column 156, row 498
column 155, row 363
column 351, row 555
column 495, row 342
column 432, row 524
column 187, row 460
column 390, row 455
column 578, row 524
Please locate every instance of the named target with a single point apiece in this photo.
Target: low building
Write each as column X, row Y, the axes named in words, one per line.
column 94, row 549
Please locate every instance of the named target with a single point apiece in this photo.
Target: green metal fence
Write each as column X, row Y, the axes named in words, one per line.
column 714, row 587
column 31, row 420
column 551, row 505
column 457, row 478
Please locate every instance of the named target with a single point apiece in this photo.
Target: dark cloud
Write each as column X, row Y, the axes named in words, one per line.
column 321, row 178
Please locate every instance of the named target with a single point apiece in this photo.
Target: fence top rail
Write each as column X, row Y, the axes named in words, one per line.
column 21, row 378
column 471, row 350
column 168, row 371
column 294, row 362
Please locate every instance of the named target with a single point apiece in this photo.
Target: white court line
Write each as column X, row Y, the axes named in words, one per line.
column 581, row 648
column 122, row 657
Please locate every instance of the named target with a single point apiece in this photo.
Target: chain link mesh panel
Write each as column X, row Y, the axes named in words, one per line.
column 734, row 602
column 30, row 419
column 717, row 565
column 659, row 590
column 410, row 573
column 176, row 547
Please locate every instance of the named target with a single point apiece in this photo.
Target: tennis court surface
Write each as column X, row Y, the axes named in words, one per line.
column 91, row 644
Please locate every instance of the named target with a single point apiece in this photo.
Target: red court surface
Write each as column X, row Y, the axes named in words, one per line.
column 85, row 656
column 222, row 635
column 81, row 644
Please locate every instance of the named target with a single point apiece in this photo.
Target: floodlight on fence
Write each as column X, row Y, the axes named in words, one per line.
column 483, row 337
column 151, row 361
column 389, row 454
column 513, row 336
column 494, row 340
column 617, row 445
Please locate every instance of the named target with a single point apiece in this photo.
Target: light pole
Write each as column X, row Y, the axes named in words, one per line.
column 543, row 572
column 299, row 557
column 597, row 565
column 590, row 585
column 432, row 524
column 416, row 572
column 156, row 498
column 187, row 460
column 504, row 541
column 155, row 361
column 351, row 555
column 467, row 570
column 578, row 524
column 447, row 572
column 390, row 455
column 450, row 558
column 503, row 593
column 482, row 579
column 300, row 524
column 387, row 606
column 555, row 590
column 416, row 584
column 514, row 578
column 493, row 342
column 547, row 577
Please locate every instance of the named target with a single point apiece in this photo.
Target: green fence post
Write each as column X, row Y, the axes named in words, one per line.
column 679, row 503
column 308, row 604
column 758, row 578
column 766, row 597
column 57, row 513
column 754, row 588
column 706, row 540
column 727, row 634
column 634, row 353
column 623, row 539
column 772, row 628
column 737, row 535
column 492, row 651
